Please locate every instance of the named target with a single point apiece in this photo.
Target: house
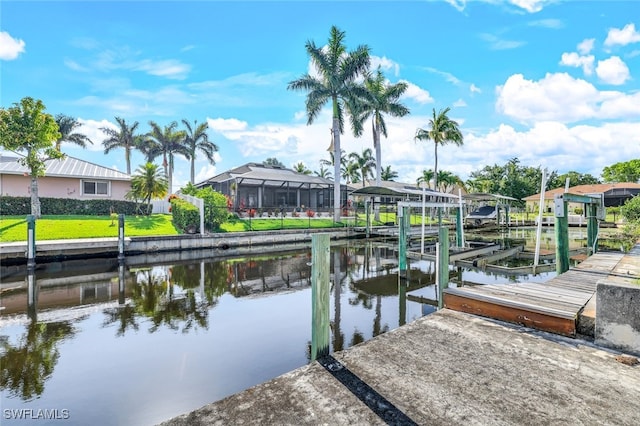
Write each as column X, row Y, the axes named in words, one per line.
column 65, row 178
column 273, row 187
column 615, row 194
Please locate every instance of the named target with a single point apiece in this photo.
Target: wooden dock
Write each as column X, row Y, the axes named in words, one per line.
column 553, row 306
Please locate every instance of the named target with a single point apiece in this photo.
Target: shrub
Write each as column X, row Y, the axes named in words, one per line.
column 68, row 206
column 631, row 209
column 578, row 210
column 310, row 213
column 185, row 215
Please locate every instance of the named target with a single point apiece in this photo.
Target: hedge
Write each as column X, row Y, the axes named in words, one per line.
column 17, row 206
column 186, row 216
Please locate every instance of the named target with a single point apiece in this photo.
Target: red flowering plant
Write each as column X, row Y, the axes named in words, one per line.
column 310, row 213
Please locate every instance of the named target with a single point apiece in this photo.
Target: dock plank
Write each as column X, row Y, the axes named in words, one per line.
column 551, row 306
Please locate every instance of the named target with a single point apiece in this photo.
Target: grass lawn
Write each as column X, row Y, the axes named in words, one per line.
column 14, row 228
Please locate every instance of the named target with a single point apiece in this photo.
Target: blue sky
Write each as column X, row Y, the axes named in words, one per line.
column 552, row 82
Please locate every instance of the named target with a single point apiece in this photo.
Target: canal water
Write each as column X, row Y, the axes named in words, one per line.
column 95, row 342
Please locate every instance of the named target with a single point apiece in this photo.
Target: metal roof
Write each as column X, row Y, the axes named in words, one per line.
column 259, row 174
column 484, row 196
column 68, row 167
column 398, row 191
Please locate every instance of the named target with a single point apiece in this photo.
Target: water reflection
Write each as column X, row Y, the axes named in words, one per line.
column 213, row 326
column 29, row 363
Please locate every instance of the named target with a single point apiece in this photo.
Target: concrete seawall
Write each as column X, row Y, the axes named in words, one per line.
column 222, row 243
column 448, row 368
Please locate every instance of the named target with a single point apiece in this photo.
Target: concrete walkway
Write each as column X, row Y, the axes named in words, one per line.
column 449, row 368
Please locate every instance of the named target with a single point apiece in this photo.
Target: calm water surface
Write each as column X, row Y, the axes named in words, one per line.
column 109, row 345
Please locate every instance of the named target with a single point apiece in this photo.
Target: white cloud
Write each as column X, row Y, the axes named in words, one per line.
column 458, row 4
column 385, row 64
column 623, row 36
column 586, row 46
column 555, row 97
column 169, row 68
column 73, row 65
column 613, row 71
column 574, row 60
column 447, row 75
column 530, row 6
column 560, row 97
column 10, row 47
column 205, row 172
column 227, row 124
column 460, row 103
column 583, row 148
column 134, row 103
column 474, row 89
column 417, row 94
column 497, row 43
column 91, row 129
column 547, row 23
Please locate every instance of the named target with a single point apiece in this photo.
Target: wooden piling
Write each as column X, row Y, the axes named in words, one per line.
column 402, row 241
column 459, row 237
column 562, row 237
column 120, row 237
column 443, row 262
column 592, row 228
column 402, row 301
column 31, row 241
column 320, row 295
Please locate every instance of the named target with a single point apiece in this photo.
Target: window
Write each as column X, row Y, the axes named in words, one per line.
column 95, row 187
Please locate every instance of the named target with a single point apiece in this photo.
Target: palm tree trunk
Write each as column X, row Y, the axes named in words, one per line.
column 376, row 140
column 336, row 167
column 127, row 157
column 170, row 173
column 435, row 181
column 193, row 169
column 435, row 169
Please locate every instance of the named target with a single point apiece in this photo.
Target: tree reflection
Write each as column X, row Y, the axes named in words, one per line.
column 25, row 367
column 177, row 297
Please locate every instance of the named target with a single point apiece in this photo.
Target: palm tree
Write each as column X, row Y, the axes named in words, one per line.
column 364, row 163
column 168, row 141
column 301, row 168
column 323, row 173
column 442, row 130
column 124, row 137
column 149, row 182
column 427, row 177
column 380, row 98
column 336, row 82
column 66, row 126
column 350, row 172
column 387, row 174
column 197, row 139
column 447, row 180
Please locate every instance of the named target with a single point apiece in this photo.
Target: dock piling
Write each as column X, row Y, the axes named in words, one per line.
column 120, row 237
column 320, row 295
column 442, row 263
column 31, row 241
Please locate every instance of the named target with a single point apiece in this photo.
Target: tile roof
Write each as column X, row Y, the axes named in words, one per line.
column 69, row 167
column 600, row 188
